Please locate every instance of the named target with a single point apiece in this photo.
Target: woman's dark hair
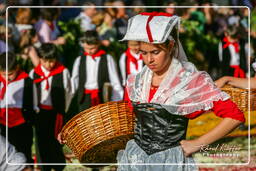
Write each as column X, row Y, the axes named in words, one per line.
column 90, row 37
column 175, row 49
column 12, row 61
column 48, row 51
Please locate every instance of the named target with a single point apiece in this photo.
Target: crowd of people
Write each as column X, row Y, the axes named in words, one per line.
column 42, row 89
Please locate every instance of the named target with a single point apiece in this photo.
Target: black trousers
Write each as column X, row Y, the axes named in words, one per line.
column 21, row 137
column 85, row 103
column 50, row 151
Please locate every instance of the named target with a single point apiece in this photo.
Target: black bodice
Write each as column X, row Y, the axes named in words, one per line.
column 156, row 129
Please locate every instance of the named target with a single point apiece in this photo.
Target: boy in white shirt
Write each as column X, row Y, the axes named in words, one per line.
column 54, row 93
column 130, row 61
column 91, row 70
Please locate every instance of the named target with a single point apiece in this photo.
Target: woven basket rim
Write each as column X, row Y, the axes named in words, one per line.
column 230, row 87
column 88, row 110
column 75, row 125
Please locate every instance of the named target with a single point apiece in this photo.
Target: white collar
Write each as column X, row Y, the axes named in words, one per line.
column 45, row 71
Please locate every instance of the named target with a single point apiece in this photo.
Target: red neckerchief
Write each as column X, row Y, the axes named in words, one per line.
column 97, row 54
column 227, row 43
column 21, row 75
column 151, row 15
column 58, row 68
column 131, row 58
column 51, row 26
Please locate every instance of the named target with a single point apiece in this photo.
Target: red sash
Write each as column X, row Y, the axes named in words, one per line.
column 239, row 73
column 95, row 99
column 15, row 117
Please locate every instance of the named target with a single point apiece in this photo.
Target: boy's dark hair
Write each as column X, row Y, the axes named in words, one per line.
column 233, row 32
column 12, row 61
column 48, row 51
column 90, row 37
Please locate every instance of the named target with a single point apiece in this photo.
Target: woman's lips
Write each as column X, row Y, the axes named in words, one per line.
column 151, row 66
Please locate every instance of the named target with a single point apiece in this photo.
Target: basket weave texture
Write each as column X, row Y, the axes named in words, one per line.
column 241, row 97
column 96, row 135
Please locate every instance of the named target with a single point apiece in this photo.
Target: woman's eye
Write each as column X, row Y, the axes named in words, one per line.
column 156, row 52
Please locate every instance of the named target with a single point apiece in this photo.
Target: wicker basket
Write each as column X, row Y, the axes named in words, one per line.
column 241, row 97
column 97, row 134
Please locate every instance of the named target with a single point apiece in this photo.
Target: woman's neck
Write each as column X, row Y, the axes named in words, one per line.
column 159, row 76
column 163, row 72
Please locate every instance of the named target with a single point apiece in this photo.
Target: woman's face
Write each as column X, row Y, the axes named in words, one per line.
column 157, row 59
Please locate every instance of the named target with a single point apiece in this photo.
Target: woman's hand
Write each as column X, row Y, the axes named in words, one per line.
column 59, row 138
column 221, row 82
column 190, row 146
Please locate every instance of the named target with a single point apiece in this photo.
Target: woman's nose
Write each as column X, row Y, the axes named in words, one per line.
column 150, row 58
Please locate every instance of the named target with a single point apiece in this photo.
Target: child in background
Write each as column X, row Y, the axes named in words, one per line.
column 29, row 41
column 47, row 29
column 19, row 103
column 232, row 54
column 91, row 70
column 238, row 82
column 130, row 61
column 53, row 87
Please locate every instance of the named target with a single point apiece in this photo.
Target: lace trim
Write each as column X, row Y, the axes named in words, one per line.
column 184, row 90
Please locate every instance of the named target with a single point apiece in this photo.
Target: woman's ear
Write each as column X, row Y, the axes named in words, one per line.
column 170, row 46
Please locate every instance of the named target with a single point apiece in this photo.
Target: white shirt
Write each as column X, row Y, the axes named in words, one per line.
column 235, row 57
column 122, row 65
column 45, row 94
column 92, row 67
column 44, row 31
column 13, row 97
column 86, row 22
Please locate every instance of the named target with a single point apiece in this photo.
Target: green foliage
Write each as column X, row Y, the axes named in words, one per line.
column 253, row 20
column 71, row 32
column 196, row 42
column 71, row 49
column 115, row 49
column 25, row 64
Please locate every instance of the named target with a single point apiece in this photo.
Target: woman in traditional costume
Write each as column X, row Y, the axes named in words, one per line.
column 165, row 95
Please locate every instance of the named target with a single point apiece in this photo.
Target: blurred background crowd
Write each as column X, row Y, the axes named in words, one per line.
column 202, row 29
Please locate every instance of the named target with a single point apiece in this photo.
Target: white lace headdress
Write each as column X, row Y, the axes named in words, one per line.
column 184, row 89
